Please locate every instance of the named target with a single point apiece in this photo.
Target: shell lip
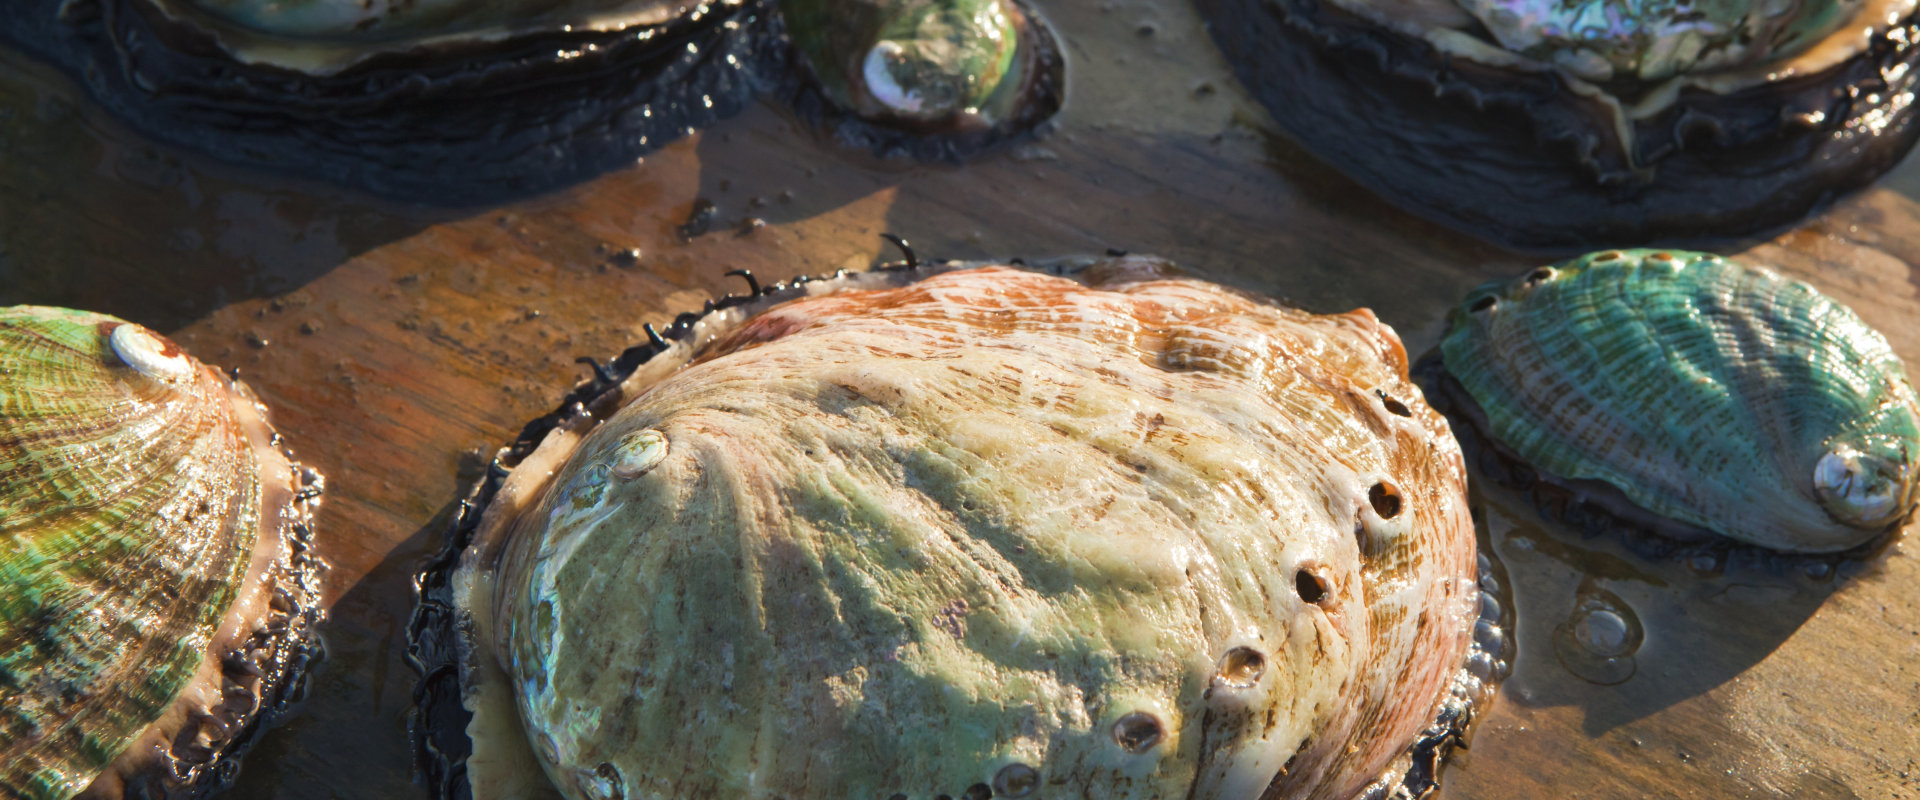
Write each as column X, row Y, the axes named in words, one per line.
column 1040, row 96
column 321, row 60
column 1382, row 105
column 275, row 661
column 404, row 125
column 1597, row 507
column 438, row 721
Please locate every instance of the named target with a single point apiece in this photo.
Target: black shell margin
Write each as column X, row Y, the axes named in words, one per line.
column 1521, row 160
column 437, row 724
column 470, row 130
column 275, row 666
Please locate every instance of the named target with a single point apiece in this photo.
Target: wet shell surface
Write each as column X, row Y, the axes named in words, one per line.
column 466, row 102
column 156, row 590
column 1713, row 396
column 982, row 532
column 1562, row 126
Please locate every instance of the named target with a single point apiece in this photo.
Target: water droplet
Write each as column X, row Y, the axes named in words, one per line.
column 1598, row 641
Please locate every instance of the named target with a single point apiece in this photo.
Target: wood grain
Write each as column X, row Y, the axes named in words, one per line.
column 398, row 345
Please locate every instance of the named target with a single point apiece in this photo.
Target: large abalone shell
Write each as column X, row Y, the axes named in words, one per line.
column 156, row 593
column 1562, row 126
column 1691, row 393
column 986, row 532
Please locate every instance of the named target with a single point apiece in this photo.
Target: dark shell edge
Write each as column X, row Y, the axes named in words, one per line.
column 1595, row 508
column 292, row 649
column 438, row 721
column 406, row 128
column 1393, row 113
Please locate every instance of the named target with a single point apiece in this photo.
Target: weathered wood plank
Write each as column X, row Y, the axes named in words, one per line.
column 397, row 345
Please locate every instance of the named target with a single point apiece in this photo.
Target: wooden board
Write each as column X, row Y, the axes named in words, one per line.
column 398, row 345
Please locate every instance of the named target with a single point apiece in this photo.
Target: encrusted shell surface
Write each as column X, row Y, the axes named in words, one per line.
column 1714, row 394
column 133, row 497
column 985, row 534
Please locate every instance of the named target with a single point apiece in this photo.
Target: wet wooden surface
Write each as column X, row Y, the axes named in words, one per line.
column 396, row 345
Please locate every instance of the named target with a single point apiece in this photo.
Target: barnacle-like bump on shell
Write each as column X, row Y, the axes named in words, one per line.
column 1709, row 395
column 965, row 523
column 158, row 588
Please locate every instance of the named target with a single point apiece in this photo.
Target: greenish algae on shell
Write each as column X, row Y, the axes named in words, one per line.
column 992, row 533
column 150, row 534
column 1713, row 394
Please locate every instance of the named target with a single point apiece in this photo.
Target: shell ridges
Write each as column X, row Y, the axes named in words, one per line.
column 1710, row 392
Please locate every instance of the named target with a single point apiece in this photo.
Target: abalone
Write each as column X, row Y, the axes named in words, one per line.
column 1692, row 395
column 968, row 531
column 1561, row 126
column 469, row 101
column 160, row 592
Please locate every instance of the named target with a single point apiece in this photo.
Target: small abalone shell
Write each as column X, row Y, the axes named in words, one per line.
column 156, row 596
column 1713, row 396
column 938, row 79
column 979, row 532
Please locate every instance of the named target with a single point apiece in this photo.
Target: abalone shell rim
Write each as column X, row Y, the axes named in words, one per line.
column 1519, row 159
column 456, row 130
column 295, row 647
column 438, row 721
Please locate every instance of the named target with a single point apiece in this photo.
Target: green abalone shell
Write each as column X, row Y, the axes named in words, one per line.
column 988, row 533
column 1711, row 393
column 141, row 508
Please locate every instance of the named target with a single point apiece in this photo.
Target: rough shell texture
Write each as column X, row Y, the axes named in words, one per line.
column 994, row 531
column 132, row 502
column 1528, row 156
column 1717, row 395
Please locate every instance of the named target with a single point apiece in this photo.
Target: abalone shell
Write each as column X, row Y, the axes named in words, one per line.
column 970, row 532
column 454, row 103
column 1562, row 127
column 157, row 595
column 468, row 102
column 1712, row 395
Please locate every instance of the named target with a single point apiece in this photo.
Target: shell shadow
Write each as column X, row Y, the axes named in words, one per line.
column 186, row 235
column 1623, row 635
column 356, row 710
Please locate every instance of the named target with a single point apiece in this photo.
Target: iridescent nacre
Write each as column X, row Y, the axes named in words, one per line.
column 978, row 533
column 936, row 78
column 1652, row 40
column 1714, row 394
column 147, row 543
